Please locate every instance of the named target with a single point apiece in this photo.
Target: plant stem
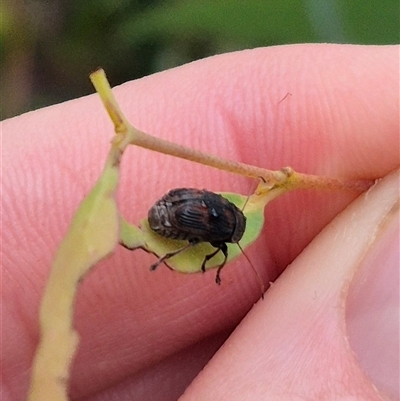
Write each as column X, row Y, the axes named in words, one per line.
column 285, row 178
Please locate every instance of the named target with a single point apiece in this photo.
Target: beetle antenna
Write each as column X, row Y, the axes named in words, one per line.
column 259, row 279
column 262, row 287
column 251, row 193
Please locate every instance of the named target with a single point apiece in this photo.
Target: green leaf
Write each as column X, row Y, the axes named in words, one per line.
column 190, row 260
column 92, row 236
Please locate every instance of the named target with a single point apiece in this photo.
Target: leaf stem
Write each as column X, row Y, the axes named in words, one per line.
column 285, row 178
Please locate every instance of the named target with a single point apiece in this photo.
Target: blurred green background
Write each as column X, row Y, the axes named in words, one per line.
column 48, row 48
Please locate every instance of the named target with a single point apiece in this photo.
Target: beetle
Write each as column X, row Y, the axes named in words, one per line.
column 197, row 216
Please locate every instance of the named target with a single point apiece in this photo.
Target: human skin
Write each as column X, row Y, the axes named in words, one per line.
column 146, row 335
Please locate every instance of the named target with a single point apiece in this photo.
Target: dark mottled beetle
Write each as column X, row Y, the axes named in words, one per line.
column 197, row 216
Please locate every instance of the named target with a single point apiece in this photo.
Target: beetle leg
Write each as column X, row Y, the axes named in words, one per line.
column 224, row 250
column 207, row 258
column 170, row 254
column 220, row 247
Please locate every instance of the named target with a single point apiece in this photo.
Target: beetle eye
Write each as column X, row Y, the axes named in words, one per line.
column 214, row 213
